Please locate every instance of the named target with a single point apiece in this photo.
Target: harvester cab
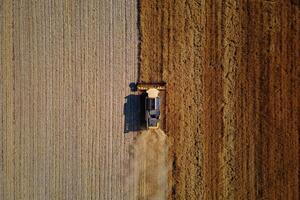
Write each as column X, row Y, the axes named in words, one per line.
column 152, row 103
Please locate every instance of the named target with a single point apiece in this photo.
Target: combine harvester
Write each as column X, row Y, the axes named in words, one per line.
column 152, row 103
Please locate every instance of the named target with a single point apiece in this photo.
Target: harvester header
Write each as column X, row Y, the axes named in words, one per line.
column 152, row 103
column 146, row 86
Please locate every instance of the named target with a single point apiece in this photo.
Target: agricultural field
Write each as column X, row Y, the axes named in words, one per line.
column 66, row 67
column 70, row 115
column 232, row 104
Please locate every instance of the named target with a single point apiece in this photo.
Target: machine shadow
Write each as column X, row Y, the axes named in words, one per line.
column 134, row 111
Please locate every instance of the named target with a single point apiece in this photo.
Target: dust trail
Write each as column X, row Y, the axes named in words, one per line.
column 151, row 166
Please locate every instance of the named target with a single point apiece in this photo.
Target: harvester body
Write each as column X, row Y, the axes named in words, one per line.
column 152, row 103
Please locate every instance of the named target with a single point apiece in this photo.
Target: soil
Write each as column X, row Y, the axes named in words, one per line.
column 65, row 70
column 232, row 100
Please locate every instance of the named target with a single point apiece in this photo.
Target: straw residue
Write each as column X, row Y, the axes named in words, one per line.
column 150, row 164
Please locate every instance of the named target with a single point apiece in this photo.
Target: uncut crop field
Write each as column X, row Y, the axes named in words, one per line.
column 232, row 103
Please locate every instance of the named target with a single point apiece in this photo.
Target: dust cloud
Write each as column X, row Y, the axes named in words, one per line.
column 150, row 152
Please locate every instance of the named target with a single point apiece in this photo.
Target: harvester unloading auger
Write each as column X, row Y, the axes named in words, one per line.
column 152, row 103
